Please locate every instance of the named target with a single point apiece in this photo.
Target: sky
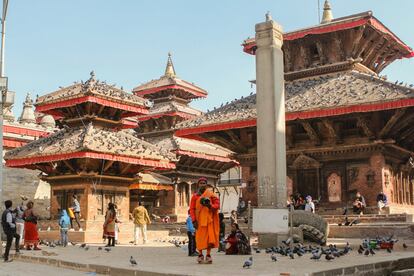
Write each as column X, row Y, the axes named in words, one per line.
column 52, row 43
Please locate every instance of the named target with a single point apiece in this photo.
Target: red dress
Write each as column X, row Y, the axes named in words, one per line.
column 31, row 236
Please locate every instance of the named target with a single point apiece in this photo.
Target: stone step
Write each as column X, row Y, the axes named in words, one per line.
column 335, row 219
column 360, row 231
column 405, row 272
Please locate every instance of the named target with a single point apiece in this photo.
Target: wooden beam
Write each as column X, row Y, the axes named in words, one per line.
column 372, row 50
column 236, row 141
column 107, row 165
column 311, row 132
column 221, row 141
column 100, row 110
column 377, row 54
column 363, row 125
column 357, row 36
column 125, row 169
column 391, row 122
column 67, row 163
column 328, row 124
column 365, row 42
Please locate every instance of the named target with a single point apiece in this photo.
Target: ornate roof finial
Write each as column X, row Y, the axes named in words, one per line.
column 327, row 13
column 28, row 115
column 92, row 74
column 169, row 70
column 268, row 16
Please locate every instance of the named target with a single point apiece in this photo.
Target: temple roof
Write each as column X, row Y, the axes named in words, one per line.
column 193, row 148
column 171, row 83
column 170, row 109
column 90, row 142
column 322, row 96
column 97, row 91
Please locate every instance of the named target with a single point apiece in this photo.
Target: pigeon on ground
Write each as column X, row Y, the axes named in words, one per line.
column 248, row 263
column 107, row 249
column 258, row 251
column 99, row 248
column 86, row 248
column 371, row 251
column 405, row 246
column 291, row 255
column 389, row 250
column 273, row 258
column 132, row 261
column 83, row 245
column 329, row 257
column 73, row 243
column 316, row 256
column 366, row 253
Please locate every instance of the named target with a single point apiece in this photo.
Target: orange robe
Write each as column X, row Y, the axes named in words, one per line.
column 207, row 233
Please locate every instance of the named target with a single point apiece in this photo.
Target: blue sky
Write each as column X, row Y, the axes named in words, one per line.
column 52, row 43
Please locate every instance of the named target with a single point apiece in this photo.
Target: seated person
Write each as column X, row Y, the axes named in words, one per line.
column 359, row 204
column 237, row 243
column 300, row 203
column 310, row 206
column 381, row 201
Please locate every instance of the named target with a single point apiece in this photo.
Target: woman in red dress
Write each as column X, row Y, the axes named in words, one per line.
column 31, row 236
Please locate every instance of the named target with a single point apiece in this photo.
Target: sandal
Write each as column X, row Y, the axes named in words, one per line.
column 209, row 260
column 200, row 259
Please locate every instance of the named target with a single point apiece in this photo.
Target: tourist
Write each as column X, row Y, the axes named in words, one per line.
column 381, row 201
column 19, row 211
column 64, row 223
column 9, row 228
column 191, row 236
column 31, row 236
column 141, row 219
column 206, row 222
column 76, row 213
column 300, row 202
column 359, row 204
column 309, row 206
column 222, row 232
column 291, row 202
column 109, row 225
column 233, row 217
column 237, row 243
column 117, row 222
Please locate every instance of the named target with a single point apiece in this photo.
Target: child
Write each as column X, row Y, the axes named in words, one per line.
column 191, row 236
column 222, row 232
column 64, row 223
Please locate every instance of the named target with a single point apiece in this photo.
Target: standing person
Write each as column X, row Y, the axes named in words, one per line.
column 309, row 206
column 381, row 201
column 76, row 213
column 141, row 219
column 233, row 217
column 359, row 204
column 109, row 225
column 31, row 236
column 20, row 221
column 117, row 222
column 207, row 223
column 222, row 232
column 9, row 228
column 191, row 236
column 64, row 223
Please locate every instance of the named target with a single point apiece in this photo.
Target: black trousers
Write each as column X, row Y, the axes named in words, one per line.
column 191, row 243
column 9, row 242
column 76, row 219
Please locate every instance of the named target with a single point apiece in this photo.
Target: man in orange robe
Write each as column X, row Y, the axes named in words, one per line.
column 207, row 223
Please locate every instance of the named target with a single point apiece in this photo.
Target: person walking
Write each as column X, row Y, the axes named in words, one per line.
column 9, row 228
column 76, row 213
column 20, row 221
column 31, row 236
column 109, row 225
column 207, row 223
column 64, row 223
column 141, row 219
column 191, row 236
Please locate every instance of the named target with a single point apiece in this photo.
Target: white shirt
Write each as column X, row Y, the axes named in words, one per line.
column 310, row 207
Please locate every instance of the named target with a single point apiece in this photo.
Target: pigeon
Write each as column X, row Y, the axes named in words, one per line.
column 316, row 256
column 73, row 243
column 389, row 250
column 99, row 248
column 329, row 257
column 405, row 246
column 291, row 255
column 258, row 251
column 107, row 249
column 371, row 251
column 83, row 245
column 248, row 263
column 273, row 258
column 132, row 261
column 86, row 248
column 366, row 253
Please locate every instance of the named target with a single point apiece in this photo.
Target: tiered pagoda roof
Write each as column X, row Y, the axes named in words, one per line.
column 359, row 37
column 322, row 96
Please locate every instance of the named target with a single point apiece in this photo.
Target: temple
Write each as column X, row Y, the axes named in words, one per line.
column 90, row 156
column 171, row 97
column 348, row 129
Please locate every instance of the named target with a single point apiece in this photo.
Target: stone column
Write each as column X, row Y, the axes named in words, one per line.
column 271, row 148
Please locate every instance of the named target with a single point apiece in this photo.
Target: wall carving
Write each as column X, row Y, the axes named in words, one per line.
column 334, row 187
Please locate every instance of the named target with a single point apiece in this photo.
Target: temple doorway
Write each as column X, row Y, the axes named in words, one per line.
column 308, row 183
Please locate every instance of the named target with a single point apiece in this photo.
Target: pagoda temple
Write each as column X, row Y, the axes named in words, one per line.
column 90, row 156
column 171, row 97
column 348, row 129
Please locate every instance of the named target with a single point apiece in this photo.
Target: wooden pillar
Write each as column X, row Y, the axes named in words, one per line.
column 318, row 182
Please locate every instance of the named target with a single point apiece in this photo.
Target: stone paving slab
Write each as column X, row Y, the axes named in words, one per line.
column 163, row 259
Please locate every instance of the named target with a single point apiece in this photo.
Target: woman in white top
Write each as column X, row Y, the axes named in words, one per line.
column 310, row 206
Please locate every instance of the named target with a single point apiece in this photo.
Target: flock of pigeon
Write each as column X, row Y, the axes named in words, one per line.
column 331, row 252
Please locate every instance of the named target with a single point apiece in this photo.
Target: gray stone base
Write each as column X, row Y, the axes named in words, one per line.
column 266, row 240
